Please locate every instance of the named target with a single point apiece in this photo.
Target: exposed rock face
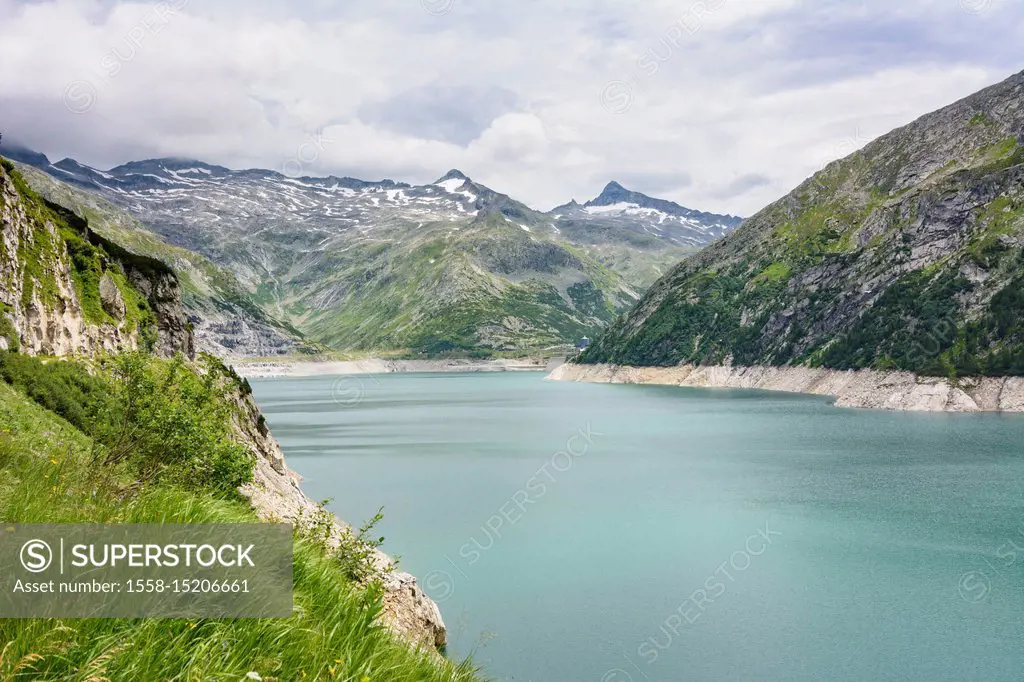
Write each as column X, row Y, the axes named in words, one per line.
column 174, row 331
column 111, row 298
column 42, row 285
column 906, row 255
column 864, row 388
column 275, row 495
column 238, row 334
column 226, row 321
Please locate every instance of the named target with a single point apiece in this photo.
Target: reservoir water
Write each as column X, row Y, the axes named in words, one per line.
column 645, row 534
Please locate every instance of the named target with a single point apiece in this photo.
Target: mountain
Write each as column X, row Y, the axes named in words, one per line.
column 65, row 290
column 451, row 266
column 636, row 235
column 107, row 434
column 225, row 321
column 908, row 254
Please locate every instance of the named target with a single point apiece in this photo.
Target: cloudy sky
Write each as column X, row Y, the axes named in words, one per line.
column 721, row 105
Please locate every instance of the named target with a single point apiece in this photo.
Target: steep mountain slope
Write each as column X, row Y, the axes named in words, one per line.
column 908, row 254
column 449, row 266
column 65, row 290
column 226, row 322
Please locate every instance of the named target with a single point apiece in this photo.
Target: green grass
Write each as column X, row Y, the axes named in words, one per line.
column 50, row 473
column 980, row 119
column 776, row 272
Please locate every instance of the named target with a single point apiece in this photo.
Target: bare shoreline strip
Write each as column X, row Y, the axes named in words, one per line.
column 902, row 391
column 304, row 368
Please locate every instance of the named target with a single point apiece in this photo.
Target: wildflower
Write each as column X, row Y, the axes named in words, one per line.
column 253, row 675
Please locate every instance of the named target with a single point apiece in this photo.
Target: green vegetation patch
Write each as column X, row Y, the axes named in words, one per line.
column 980, row 119
column 163, row 420
column 49, row 473
column 776, row 272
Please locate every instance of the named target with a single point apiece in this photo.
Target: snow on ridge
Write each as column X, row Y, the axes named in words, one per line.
column 620, row 207
column 454, row 185
column 451, row 184
column 150, row 175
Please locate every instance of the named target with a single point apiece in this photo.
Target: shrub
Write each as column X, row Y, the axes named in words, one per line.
column 169, row 421
column 164, row 419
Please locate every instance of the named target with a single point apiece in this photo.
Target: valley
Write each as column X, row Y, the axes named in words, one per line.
column 537, row 417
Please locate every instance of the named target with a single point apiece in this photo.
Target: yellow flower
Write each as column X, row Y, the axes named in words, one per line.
column 331, row 671
column 53, row 461
column 339, row 661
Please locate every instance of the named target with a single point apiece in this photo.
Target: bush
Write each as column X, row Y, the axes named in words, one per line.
column 66, row 388
column 162, row 418
column 171, row 422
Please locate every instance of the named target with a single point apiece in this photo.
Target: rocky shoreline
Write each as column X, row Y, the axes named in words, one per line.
column 901, row 391
column 308, row 368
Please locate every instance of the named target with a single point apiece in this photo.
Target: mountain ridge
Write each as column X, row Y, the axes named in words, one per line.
column 613, row 191
column 452, row 266
column 906, row 255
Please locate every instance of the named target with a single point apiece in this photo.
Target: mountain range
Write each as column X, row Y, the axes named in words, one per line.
column 906, row 255
column 447, row 267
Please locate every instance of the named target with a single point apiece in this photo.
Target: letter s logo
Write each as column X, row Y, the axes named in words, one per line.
column 36, row 556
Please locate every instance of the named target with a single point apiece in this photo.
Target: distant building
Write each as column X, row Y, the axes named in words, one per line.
column 583, row 343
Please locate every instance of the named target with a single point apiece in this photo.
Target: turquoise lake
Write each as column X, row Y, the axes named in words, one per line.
column 640, row 533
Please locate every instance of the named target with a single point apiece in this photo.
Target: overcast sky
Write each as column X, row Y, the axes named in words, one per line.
column 721, row 105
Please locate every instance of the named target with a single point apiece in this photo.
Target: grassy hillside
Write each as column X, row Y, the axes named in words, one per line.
column 908, row 254
column 487, row 287
column 139, row 440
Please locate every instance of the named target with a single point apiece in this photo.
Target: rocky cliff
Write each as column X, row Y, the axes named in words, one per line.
column 226, row 321
column 65, row 290
column 907, row 255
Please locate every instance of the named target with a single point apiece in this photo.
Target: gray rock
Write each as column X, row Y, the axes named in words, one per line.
column 111, row 298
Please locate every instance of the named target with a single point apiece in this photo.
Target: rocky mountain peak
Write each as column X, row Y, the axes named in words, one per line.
column 453, row 174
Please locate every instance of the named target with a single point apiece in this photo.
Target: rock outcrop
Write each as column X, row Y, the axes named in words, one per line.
column 64, row 290
column 864, row 388
column 226, row 321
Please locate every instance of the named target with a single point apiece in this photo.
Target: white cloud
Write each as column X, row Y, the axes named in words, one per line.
column 731, row 103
